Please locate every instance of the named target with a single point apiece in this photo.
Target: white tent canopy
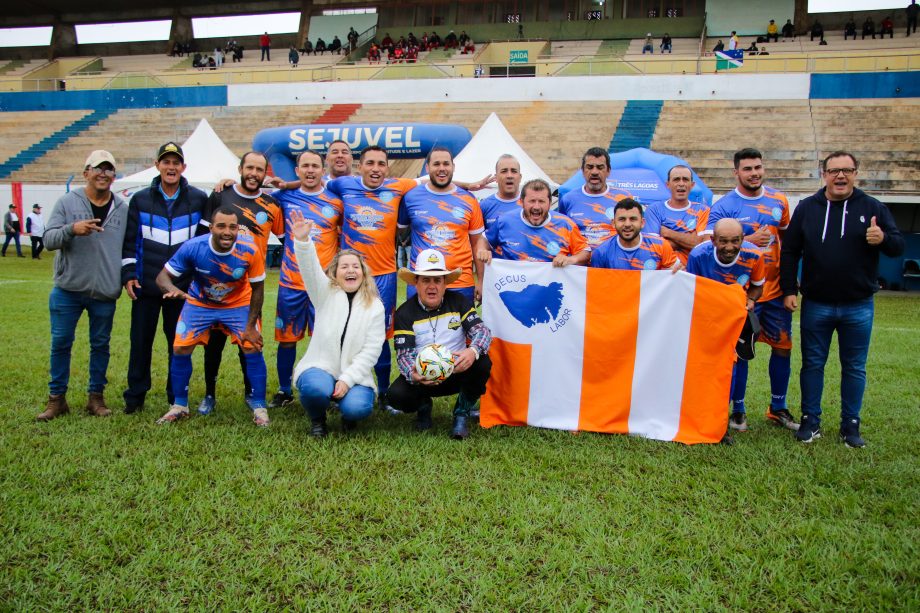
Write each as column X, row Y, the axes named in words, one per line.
column 207, row 158
column 479, row 156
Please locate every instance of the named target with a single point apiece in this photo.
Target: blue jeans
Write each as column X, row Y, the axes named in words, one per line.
column 853, row 323
column 316, row 385
column 66, row 308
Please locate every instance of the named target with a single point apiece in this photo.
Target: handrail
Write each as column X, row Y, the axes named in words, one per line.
column 699, row 63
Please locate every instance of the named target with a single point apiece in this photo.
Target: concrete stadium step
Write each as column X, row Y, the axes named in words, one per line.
column 637, row 124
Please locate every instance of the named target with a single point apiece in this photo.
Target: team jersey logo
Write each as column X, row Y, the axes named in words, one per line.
column 238, row 273
column 181, row 328
column 328, row 212
column 691, row 224
column 743, row 279
column 385, row 196
column 650, row 265
column 440, row 235
column 367, row 218
column 218, row 291
column 279, row 323
column 458, row 212
column 261, row 217
column 553, row 248
column 610, row 212
column 777, row 213
column 453, row 323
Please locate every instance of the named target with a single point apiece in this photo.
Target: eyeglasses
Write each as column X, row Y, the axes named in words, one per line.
column 833, row 172
column 102, row 171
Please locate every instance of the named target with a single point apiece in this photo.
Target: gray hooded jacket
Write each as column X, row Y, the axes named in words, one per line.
column 87, row 264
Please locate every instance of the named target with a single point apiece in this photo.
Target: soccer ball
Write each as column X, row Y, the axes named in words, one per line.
column 434, row 362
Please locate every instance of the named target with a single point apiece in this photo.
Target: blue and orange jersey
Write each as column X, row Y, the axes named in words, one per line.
column 513, row 238
column 652, row 253
column 770, row 209
column 326, row 214
column 258, row 215
column 690, row 219
column 494, row 207
column 444, row 222
column 369, row 218
column 592, row 212
column 219, row 280
column 747, row 268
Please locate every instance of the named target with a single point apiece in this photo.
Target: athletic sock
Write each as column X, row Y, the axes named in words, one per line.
column 181, row 375
column 285, row 364
column 780, row 370
column 258, row 376
column 739, row 386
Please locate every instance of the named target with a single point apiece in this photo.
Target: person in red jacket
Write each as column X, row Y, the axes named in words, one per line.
column 265, row 42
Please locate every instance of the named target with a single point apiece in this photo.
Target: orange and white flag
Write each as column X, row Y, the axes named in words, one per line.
column 648, row 353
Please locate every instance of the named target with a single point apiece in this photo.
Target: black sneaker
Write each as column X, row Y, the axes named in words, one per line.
column 281, row 399
column 349, row 425
column 738, row 421
column 809, row 430
column 318, row 428
column 849, row 434
column 460, row 430
column 423, row 417
column 783, row 418
column 130, row 409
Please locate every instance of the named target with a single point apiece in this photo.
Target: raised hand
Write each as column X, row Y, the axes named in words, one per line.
column 874, row 234
column 300, row 226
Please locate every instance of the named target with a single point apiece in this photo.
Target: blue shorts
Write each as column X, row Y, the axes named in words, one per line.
column 469, row 292
column 775, row 323
column 196, row 322
column 294, row 315
column 386, row 287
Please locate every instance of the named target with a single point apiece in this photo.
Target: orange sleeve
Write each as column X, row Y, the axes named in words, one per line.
column 257, row 267
column 758, row 272
column 278, row 222
column 476, row 222
column 403, row 185
column 784, row 220
column 577, row 242
column 703, row 219
column 668, row 257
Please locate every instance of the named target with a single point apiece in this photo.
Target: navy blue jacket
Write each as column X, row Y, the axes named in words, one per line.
column 838, row 265
column 156, row 230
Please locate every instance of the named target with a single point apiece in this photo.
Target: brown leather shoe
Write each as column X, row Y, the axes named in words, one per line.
column 57, row 406
column 95, row 405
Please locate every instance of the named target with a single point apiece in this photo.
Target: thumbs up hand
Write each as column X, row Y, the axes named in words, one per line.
column 874, row 234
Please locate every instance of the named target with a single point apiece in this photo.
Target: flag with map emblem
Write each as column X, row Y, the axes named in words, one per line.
column 648, row 353
column 729, row 59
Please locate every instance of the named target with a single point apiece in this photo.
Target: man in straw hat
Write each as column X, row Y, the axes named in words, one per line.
column 438, row 316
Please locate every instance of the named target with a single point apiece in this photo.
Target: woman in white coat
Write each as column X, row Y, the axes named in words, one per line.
column 348, row 332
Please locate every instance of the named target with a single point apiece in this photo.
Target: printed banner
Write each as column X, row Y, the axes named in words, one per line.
column 647, row 353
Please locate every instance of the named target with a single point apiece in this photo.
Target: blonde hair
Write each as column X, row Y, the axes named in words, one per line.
column 368, row 288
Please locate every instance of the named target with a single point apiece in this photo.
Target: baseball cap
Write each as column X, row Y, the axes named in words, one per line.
column 98, row 157
column 170, row 147
column 36, row 206
column 430, row 263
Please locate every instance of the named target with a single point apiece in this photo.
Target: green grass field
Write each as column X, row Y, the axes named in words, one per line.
column 213, row 513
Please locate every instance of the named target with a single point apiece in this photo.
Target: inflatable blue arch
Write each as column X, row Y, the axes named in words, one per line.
column 643, row 173
column 401, row 140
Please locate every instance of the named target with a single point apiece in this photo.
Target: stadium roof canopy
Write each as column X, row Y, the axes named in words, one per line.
column 46, row 12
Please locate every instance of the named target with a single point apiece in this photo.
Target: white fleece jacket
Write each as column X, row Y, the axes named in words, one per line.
column 352, row 361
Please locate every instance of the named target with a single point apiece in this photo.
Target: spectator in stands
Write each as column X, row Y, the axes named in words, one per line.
column 12, row 227
column 35, row 228
column 886, row 27
column 665, row 43
column 868, row 28
column 293, row 57
column 352, row 39
column 212, row 63
column 320, row 46
column 399, row 54
column 335, row 46
column 412, row 40
column 849, row 29
column 913, row 10
column 720, row 46
column 307, row 47
column 772, row 32
column 197, row 61
column 753, row 48
column 733, row 41
column 238, row 53
column 218, row 57
column 763, row 51
column 423, row 42
column 412, row 54
column 468, row 46
column 788, row 30
column 87, row 229
column 434, row 41
column 387, row 43
column 648, row 45
column 817, row 30
column 463, row 38
column 451, row 41
column 265, row 43
column 176, row 50
column 373, row 54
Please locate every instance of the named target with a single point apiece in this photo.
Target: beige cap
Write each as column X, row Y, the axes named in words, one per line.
column 430, row 263
column 98, row 157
